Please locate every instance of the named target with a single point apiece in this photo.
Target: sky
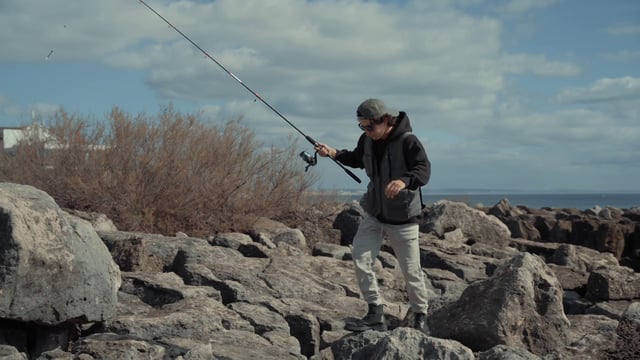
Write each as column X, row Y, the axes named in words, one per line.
column 505, row 95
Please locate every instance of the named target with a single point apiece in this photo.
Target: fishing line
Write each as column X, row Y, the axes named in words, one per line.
column 306, row 157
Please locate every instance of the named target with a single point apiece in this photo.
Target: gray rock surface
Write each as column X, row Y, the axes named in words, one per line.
column 276, row 293
column 54, row 268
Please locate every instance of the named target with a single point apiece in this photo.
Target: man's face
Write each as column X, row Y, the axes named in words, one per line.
column 371, row 129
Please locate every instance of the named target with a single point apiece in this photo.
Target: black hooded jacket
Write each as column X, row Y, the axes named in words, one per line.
column 416, row 174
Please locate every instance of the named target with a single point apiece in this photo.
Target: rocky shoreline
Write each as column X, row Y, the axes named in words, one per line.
column 505, row 282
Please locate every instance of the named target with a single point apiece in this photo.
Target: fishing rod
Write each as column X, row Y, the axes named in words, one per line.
column 310, row 160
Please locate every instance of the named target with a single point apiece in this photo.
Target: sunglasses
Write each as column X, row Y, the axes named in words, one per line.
column 366, row 127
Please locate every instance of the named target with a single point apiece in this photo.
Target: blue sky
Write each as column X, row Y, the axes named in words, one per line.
column 538, row 95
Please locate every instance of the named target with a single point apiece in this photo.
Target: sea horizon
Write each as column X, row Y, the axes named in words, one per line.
column 530, row 198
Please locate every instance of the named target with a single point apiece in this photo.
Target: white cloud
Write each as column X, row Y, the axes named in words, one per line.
column 37, row 111
column 426, row 56
column 314, row 61
column 42, row 111
column 76, row 30
column 604, row 90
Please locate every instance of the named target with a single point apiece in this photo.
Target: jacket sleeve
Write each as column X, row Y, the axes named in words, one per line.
column 353, row 158
column 418, row 164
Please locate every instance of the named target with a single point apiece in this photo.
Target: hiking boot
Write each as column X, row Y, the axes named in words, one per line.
column 374, row 320
column 420, row 323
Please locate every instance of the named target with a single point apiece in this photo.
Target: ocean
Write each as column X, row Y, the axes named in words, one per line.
column 577, row 201
column 533, row 200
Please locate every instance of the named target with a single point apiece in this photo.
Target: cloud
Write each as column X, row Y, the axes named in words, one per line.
column 430, row 59
column 44, row 110
column 603, row 90
column 297, row 54
column 38, row 111
column 537, row 64
column 475, row 102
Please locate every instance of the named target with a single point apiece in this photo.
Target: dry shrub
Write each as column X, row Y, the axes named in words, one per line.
column 164, row 175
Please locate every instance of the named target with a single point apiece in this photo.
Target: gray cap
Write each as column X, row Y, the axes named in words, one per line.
column 373, row 109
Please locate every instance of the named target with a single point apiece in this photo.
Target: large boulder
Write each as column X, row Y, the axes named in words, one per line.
column 400, row 343
column 445, row 216
column 53, row 266
column 520, row 306
column 628, row 343
column 613, row 283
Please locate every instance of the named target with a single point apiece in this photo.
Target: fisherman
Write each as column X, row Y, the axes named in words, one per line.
column 397, row 166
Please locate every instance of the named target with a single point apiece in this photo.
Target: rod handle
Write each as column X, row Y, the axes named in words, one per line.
column 310, row 139
column 353, row 176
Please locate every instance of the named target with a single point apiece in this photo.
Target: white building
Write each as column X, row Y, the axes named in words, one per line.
column 10, row 137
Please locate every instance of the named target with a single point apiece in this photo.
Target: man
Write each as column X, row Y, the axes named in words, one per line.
column 397, row 166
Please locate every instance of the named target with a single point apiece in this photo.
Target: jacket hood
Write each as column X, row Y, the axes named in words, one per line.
column 402, row 126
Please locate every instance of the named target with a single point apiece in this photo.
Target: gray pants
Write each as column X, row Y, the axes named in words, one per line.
column 405, row 244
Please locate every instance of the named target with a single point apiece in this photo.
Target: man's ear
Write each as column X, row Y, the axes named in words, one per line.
column 391, row 120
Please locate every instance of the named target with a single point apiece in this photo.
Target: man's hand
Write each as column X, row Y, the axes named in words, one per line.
column 394, row 188
column 325, row 150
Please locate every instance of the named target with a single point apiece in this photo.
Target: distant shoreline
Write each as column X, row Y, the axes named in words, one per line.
column 574, row 200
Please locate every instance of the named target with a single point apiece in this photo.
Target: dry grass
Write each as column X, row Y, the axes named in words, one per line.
column 165, row 174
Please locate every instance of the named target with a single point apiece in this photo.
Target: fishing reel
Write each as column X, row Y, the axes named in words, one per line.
column 311, row 160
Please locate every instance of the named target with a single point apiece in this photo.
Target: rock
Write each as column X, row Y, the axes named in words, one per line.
column 520, row 306
column 595, row 234
column 633, row 213
column 224, row 269
column 242, row 345
column 134, row 251
column 469, row 268
column 502, row 352
column 569, row 277
column 241, row 242
column 455, row 236
column 268, row 227
column 231, row 240
column 158, row 289
column 610, row 237
column 292, row 237
column 400, row 343
column 444, row 216
column 632, row 314
column 192, row 318
column 47, row 251
column 8, row 352
column 523, row 227
column 561, row 232
column 261, row 318
column 521, row 224
column 503, row 210
column 618, row 283
column 120, row 347
column 267, row 294
column 604, row 229
column 612, row 309
column 332, row 250
column 100, row 222
column 590, row 336
column 580, row 258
